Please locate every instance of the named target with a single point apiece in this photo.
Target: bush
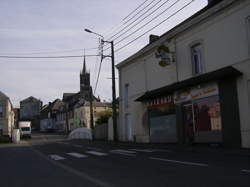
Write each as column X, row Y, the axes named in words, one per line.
column 103, row 117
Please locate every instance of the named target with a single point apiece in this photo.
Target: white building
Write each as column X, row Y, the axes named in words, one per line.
column 6, row 115
column 193, row 82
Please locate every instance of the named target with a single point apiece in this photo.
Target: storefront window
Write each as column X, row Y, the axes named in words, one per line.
column 207, row 114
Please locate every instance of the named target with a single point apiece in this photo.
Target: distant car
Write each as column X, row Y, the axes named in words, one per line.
column 25, row 128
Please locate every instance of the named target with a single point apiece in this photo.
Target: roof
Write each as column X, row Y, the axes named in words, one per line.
column 29, row 99
column 68, row 95
column 3, row 95
column 193, row 20
column 98, row 104
column 220, row 74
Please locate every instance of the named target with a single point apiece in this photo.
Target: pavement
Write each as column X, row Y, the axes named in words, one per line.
column 49, row 160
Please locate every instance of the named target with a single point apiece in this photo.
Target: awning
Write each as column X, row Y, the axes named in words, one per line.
column 220, row 74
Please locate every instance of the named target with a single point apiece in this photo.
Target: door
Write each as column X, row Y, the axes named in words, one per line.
column 189, row 122
column 128, row 121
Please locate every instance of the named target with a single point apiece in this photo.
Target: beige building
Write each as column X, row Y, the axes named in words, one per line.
column 82, row 113
column 193, row 82
column 6, row 115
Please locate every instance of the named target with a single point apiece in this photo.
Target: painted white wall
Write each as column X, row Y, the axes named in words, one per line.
column 225, row 37
column 144, row 74
column 225, row 40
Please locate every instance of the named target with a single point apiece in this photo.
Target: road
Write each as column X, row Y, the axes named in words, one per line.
column 50, row 160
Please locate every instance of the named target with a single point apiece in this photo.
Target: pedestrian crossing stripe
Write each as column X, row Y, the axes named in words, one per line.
column 123, row 151
column 96, row 153
column 56, row 157
column 77, row 155
column 143, row 150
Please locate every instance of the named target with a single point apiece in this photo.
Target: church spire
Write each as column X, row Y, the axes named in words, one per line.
column 84, row 65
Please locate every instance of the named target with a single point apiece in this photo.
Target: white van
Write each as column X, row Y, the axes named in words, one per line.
column 25, row 128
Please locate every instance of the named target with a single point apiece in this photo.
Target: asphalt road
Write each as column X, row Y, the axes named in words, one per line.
column 49, row 160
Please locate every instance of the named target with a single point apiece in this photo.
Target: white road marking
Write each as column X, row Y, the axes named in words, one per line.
column 121, row 153
column 94, row 148
column 77, row 155
column 74, row 145
column 180, row 162
column 143, row 150
column 245, row 170
column 163, row 150
column 96, row 153
column 56, row 157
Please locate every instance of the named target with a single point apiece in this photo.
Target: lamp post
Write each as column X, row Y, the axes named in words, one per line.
column 114, row 111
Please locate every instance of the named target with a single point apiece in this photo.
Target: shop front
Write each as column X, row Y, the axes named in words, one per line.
column 201, row 114
column 162, row 120
column 205, row 109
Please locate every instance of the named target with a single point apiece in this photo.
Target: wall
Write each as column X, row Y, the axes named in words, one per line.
column 30, row 109
column 225, row 42
column 142, row 75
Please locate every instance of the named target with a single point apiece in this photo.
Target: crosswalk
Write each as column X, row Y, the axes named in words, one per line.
column 98, row 152
column 88, row 153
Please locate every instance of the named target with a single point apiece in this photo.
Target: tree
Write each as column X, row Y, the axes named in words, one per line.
column 103, row 116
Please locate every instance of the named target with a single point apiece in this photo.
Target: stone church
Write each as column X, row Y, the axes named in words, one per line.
column 78, row 104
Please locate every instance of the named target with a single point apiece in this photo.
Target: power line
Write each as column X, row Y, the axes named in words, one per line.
column 98, row 75
column 49, row 52
column 73, row 56
column 139, row 11
column 165, row 10
column 155, row 26
column 135, row 10
column 126, row 26
column 148, row 22
column 134, row 25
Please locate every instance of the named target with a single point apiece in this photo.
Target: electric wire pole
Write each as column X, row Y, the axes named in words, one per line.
column 114, row 103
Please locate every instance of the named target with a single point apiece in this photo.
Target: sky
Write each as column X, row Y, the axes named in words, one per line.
column 56, row 28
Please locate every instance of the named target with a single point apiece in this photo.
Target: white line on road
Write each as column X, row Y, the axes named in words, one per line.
column 180, row 162
column 77, row 155
column 121, row 153
column 94, row 148
column 143, row 150
column 124, row 151
column 245, row 170
column 74, row 145
column 96, row 153
column 56, row 157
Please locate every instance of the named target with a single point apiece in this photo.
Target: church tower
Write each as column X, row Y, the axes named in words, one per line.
column 85, row 82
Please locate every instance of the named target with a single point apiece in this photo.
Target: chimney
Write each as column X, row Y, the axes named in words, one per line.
column 153, row 38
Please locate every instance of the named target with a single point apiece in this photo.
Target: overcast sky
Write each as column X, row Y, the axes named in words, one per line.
column 56, row 28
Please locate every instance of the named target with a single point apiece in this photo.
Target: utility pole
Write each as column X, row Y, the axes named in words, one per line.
column 91, row 108
column 114, row 92
column 112, row 56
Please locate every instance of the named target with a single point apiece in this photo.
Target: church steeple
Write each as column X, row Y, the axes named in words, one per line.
column 84, row 65
column 85, row 81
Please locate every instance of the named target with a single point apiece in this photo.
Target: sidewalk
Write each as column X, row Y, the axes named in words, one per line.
column 198, row 148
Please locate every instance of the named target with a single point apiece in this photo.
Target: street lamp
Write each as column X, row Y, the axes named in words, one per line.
column 114, row 115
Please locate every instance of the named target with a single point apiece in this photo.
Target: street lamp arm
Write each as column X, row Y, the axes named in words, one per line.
column 89, row 31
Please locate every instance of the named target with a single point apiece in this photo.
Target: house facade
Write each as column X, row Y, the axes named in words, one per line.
column 48, row 117
column 30, row 110
column 192, row 84
column 6, row 115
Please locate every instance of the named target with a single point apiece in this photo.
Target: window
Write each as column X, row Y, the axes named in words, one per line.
column 1, row 112
column 248, row 32
column 248, row 86
column 196, row 55
column 126, row 96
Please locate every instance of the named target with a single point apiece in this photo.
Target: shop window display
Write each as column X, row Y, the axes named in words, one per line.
column 207, row 114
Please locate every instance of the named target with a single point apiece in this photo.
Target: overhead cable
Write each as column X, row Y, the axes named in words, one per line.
column 155, row 26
